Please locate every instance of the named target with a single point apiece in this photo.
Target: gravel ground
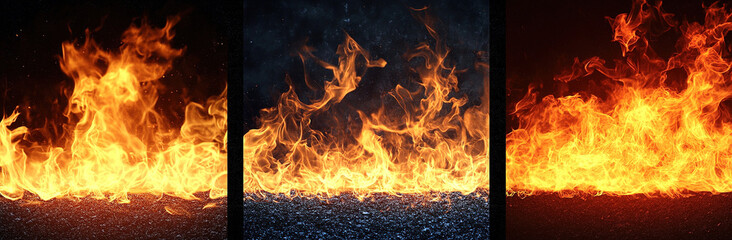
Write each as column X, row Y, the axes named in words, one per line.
column 701, row 216
column 457, row 216
column 144, row 217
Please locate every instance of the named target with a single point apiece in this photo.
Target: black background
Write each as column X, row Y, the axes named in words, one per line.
column 33, row 31
column 275, row 30
column 544, row 37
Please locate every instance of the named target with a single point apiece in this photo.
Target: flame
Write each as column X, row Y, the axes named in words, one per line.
column 418, row 141
column 176, row 210
column 649, row 136
column 209, row 205
column 115, row 142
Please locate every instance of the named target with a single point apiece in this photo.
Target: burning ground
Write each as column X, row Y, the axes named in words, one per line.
column 632, row 139
column 93, row 115
column 417, row 135
column 363, row 96
column 109, row 158
column 644, row 123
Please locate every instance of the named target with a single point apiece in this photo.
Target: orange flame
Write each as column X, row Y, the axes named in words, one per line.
column 115, row 142
column 422, row 143
column 648, row 137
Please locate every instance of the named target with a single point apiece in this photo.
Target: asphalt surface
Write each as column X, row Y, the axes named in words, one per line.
column 455, row 216
column 547, row 216
column 145, row 217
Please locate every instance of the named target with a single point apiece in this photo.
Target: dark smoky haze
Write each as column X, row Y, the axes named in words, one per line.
column 275, row 31
column 33, row 31
column 543, row 39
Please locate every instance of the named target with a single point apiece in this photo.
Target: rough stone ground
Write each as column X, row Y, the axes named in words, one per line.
column 145, row 217
column 381, row 216
column 548, row 216
column 454, row 216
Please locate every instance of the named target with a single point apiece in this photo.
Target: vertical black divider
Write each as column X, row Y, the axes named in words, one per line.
column 497, row 86
column 235, row 93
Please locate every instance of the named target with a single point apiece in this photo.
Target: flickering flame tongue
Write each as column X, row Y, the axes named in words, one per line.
column 115, row 141
column 648, row 136
column 419, row 141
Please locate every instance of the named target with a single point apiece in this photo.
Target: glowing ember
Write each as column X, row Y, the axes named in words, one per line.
column 115, row 142
column 649, row 135
column 420, row 143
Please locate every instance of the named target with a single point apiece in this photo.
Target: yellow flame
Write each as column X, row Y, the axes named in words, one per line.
column 647, row 137
column 115, row 141
column 421, row 143
column 180, row 211
column 209, row 205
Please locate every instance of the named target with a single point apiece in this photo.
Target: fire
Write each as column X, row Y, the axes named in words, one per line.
column 418, row 141
column 115, row 142
column 649, row 136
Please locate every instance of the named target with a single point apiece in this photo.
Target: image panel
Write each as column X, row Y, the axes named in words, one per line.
column 366, row 119
column 619, row 120
column 113, row 120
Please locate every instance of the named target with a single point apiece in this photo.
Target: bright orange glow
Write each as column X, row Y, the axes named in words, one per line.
column 649, row 136
column 418, row 141
column 115, row 141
